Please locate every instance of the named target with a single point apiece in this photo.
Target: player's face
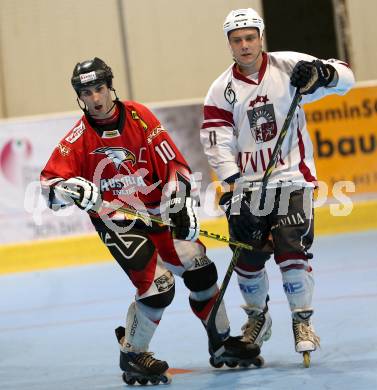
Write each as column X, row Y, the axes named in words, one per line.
column 246, row 46
column 98, row 100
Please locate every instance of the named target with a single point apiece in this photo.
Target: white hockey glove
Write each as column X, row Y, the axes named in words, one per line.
column 181, row 210
column 89, row 197
column 309, row 76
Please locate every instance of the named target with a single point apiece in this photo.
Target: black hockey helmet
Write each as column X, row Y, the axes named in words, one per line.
column 91, row 72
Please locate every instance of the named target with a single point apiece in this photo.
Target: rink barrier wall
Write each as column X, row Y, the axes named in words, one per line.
column 88, row 249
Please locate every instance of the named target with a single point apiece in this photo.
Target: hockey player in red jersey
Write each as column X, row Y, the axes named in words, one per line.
column 244, row 112
column 118, row 153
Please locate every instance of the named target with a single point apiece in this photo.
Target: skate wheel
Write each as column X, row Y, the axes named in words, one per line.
column 258, row 362
column 232, row 363
column 244, row 364
column 128, row 380
column 142, row 381
column 214, row 364
column 306, row 356
column 166, row 379
column 154, row 381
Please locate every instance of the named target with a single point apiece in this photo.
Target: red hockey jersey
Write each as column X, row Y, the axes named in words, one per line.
column 131, row 164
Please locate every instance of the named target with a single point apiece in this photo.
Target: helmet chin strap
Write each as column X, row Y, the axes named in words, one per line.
column 114, row 101
column 85, row 108
column 110, row 108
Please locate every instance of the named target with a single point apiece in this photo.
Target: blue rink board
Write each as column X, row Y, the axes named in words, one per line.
column 57, row 327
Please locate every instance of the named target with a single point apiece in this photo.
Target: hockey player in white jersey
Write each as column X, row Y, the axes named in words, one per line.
column 244, row 111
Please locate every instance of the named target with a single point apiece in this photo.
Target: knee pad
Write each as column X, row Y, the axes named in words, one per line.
column 159, row 301
column 251, row 261
column 166, row 287
column 202, row 276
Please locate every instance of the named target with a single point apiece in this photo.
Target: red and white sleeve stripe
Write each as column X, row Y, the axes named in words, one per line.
column 217, row 117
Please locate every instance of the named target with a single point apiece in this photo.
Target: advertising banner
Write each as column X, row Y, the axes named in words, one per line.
column 25, row 146
column 344, row 134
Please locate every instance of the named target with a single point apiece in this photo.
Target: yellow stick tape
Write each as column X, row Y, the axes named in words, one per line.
column 89, row 249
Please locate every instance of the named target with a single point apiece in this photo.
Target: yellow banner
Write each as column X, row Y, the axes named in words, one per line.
column 344, row 133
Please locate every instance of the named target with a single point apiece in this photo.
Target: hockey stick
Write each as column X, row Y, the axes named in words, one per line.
column 211, row 325
column 148, row 217
column 279, row 143
column 213, row 335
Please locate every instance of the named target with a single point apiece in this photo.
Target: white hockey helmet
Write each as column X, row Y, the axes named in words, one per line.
column 243, row 18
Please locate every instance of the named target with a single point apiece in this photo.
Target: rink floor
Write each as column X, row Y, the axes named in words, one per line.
column 57, row 327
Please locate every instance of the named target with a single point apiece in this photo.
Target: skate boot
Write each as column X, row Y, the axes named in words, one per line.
column 306, row 340
column 141, row 367
column 258, row 326
column 234, row 352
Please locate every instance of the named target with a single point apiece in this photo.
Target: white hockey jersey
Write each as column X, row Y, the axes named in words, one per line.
column 243, row 118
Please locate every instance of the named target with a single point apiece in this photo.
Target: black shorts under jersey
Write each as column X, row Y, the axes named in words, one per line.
column 287, row 231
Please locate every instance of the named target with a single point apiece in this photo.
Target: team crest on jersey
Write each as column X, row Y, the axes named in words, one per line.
column 117, row 155
column 262, row 123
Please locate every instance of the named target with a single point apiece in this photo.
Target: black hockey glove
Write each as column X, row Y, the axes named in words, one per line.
column 239, row 216
column 309, row 76
column 180, row 209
